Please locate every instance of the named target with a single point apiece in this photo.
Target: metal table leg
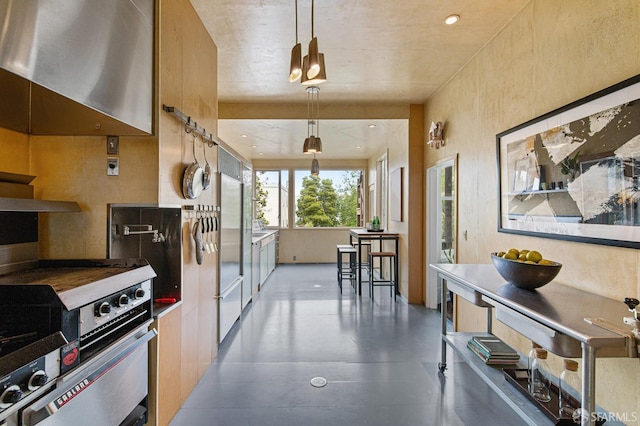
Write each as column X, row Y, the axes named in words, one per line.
column 397, row 269
column 442, row 365
column 588, row 402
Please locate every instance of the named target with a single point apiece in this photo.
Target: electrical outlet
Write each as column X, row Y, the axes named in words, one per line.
column 294, row 258
column 113, row 166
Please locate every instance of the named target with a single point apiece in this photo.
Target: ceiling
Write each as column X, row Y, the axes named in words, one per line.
column 376, row 51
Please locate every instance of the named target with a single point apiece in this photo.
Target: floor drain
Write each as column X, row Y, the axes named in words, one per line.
column 318, row 382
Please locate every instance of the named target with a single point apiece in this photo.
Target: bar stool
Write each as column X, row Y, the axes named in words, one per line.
column 380, row 282
column 366, row 245
column 346, row 270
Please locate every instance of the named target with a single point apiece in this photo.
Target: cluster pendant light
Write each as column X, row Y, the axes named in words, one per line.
column 310, row 69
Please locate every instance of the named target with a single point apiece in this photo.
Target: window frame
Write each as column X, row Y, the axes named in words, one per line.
column 292, row 195
column 280, row 171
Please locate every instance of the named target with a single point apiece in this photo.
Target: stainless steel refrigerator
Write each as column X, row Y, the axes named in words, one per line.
column 231, row 234
column 247, row 234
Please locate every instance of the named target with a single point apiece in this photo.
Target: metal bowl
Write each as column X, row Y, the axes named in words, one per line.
column 528, row 276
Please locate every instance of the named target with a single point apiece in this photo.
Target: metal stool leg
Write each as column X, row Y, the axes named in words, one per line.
column 353, row 265
column 370, row 269
column 339, row 268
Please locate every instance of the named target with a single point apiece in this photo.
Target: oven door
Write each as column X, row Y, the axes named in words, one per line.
column 110, row 389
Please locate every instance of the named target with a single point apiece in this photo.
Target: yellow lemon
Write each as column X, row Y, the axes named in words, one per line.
column 510, row 256
column 522, row 256
column 500, row 254
column 534, row 256
column 516, row 252
column 545, row 262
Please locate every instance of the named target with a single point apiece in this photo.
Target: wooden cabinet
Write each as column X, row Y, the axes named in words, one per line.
column 165, row 397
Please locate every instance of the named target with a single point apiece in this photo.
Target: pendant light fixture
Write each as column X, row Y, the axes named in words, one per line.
column 314, row 53
column 311, row 68
column 295, row 68
column 313, row 144
column 321, row 77
column 315, row 166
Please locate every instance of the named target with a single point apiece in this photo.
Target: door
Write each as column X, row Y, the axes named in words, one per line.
column 441, row 224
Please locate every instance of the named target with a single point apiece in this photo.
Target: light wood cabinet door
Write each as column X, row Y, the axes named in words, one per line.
column 165, row 397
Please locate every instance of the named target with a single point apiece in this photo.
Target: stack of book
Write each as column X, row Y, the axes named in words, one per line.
column 492, row 350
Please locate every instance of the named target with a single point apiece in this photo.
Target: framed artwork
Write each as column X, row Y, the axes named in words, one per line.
column 573, row 173
column 395, row 195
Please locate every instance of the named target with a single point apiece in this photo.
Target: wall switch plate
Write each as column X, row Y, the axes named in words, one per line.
column 113, row 145
column 113, row 166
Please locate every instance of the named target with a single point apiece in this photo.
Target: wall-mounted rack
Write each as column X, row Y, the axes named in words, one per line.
column 192, row 126
column 200, row 210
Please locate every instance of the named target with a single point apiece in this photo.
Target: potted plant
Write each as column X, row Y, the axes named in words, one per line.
column 570, row 166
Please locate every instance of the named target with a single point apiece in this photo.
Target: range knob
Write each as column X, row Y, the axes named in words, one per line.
column 103, row 309
column 123, row 300
column 11, row 395
column 140, row 293
column 37, row 379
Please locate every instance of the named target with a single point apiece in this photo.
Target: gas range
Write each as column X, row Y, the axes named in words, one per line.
column 61, row 314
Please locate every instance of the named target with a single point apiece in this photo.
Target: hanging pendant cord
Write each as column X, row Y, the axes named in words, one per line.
column 312, row 19
column 318, row 95
column 296, row 21
column 308, row 114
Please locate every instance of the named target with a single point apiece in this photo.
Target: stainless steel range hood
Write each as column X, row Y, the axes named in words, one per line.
column 76, row 67
column 16, row 195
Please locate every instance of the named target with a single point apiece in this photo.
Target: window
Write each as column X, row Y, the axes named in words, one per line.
column 327, row 200
column 272, row 197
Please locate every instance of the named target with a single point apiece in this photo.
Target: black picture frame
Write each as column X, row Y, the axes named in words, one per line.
column 572, row 174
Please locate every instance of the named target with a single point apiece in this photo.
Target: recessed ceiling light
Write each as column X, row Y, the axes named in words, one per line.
column 260, row 153
column 243, row 135
column 254, row 146
column 451, row 19
column 371, row 126
column 358, row 147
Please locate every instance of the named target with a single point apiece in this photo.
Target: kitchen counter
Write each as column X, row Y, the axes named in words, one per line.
column 556, row 306
column 257, row 236
column 557, row 317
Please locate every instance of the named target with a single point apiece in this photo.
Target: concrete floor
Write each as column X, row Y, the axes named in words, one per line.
column 379, row 359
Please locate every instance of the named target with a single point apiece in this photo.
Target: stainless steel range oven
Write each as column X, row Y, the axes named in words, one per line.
column 75, row 342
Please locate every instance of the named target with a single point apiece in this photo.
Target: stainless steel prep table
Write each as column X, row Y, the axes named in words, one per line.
column 361, row 234
column 552, row 316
